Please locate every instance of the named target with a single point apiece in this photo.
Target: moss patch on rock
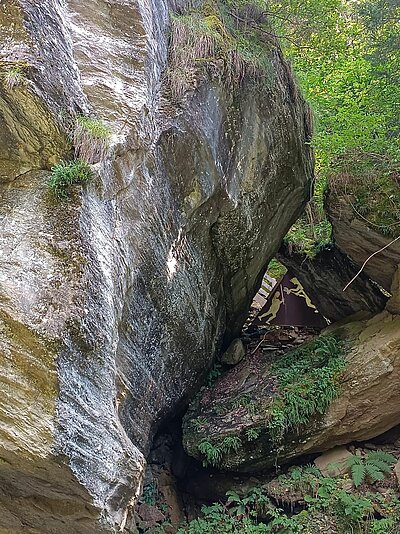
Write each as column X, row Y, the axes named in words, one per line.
column 292, row 393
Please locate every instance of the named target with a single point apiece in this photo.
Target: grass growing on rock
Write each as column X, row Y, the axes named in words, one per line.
column 227, row 39
column 13, row 73
column 66, row 174
column 91, row 139
column 307, row 382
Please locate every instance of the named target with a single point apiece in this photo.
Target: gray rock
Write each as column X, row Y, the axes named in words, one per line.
column 241, row 401
column 235, row 353
column 114, row 304
column 324, row 277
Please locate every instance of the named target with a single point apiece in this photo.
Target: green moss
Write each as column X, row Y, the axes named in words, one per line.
column 276, row 269
column 66, row 174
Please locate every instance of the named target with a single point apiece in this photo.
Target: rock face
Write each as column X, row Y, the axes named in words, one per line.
column 367, row 405
column 356, row 239
column 113, row 304
column 324, row 278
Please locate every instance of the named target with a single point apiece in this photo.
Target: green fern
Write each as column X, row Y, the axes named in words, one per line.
column 373, row 466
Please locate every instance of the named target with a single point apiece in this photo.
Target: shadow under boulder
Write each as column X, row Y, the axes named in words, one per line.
column 324, row 278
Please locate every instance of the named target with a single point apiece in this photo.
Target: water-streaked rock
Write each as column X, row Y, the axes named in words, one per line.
column 114, row 304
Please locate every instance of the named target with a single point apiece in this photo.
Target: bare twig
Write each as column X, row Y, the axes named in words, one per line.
column 367, row 260
column 259, row 345
column 269, row 34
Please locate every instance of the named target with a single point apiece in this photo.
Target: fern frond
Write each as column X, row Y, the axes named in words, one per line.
column 354, row 460
column 358, row 472
column 373, row 472
column 381, row 456
column 379, row 464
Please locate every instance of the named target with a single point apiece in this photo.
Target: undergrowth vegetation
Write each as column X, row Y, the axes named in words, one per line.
column 307, row 382
column 91, row 139
column 303, row 384
column 66, row 174
column 372, row 467
column 230, row 39
column 311, row 503
column 14, row 76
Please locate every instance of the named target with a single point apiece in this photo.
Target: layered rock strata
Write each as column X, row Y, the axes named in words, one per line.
column 114, row 303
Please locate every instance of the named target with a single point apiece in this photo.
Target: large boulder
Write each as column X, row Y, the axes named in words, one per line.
column 325, row 276
column 113, row 304
column 361, row 240
column 232, row 417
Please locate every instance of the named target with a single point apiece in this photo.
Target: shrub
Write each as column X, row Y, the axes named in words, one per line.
column 91, row 139
column 65, row 174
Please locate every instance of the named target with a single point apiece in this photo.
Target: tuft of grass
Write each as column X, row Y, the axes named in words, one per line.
column 65, row 174
column 307, row 382
column 91, row 139
column 14, row 76
column 222, row 39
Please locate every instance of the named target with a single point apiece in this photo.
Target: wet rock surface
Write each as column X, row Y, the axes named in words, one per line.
column 114, row 304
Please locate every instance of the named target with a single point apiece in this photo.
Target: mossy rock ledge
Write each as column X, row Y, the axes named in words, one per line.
column 233, row 416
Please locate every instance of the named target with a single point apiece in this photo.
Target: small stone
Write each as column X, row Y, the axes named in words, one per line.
column 333, row 463
column 234, row 354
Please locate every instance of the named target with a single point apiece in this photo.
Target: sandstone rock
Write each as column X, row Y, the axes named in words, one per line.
column 324, row 278
column 150, row 515
column 235, row 353
column 240, row 401
column 396, row 470
column 393, row 305
column 356, row 239
column 333, row 462
column 114, row 304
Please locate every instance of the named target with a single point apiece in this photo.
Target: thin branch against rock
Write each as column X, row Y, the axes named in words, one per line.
column 367, row 260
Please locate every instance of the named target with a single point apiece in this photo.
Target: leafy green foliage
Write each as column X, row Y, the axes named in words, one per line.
column 255, row 512
column 237, row 515
column 91, row 139
column 297, row 481
column 373, row 466
column 253, row 433
column 276, row 269
column 66, row 174
column 214, row 452
column 346, row 56
column 214, row 373
column 149, row 495
column 307, row 382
